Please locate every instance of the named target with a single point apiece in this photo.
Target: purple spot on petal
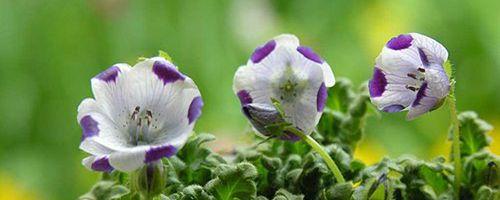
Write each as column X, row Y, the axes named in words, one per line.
column 166, row 72
column 195, row 109
column 156, row 153
column 309, row 54
column 393, row 108
column 321, row 97
column 402, row 41
column 423, row 57
column 89, row 127
column 420, row 94
column 244, row 97
column 377, row 83
column 102, row 164
column 109, row 75
column 262, row 51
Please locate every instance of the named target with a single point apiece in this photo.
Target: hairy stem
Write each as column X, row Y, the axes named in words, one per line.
column 317, row 147
column 456, row 140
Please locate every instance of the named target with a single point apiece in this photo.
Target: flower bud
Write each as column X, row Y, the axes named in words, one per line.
column 149, row 180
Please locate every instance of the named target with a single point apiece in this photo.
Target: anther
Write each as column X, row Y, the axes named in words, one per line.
column 149, row 117
column 134, row 114
column 412, row 76
column 421, row 69
column 411, row 88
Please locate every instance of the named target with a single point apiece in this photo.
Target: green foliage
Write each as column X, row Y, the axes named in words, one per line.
column 233, row 182
column 343, row 119
column 108, row 190
column 473, row 135
column 282, row 170
column 194, row 162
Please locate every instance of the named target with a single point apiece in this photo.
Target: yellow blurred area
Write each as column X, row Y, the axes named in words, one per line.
column 495, row 138
column 12, row 190
column 443, row 148
column 377, row 24
column 370, row 152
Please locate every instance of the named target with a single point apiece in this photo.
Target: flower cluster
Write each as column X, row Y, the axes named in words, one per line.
column 139, row 115
column 143, row 113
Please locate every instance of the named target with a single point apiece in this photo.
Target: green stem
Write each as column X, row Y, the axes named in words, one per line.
column 317, row 147
column 456, row 140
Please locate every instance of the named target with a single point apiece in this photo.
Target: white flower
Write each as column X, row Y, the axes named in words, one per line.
column 294, row 75
column 409, row 75
column 139, row 115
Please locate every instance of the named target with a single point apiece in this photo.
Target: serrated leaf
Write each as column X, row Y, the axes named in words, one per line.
column 283, row 194
column 434, row 179
column 487, row 193
column 106, row 190
column 233, row 182
column 198, row 161
column 340, row 191
column 473, row 137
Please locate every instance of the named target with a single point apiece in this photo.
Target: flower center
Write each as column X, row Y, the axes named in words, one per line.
column 289, row 86
column 140, row 126
column 419, row 78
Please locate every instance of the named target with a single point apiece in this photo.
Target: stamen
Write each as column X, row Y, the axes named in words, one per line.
column 411, row 88
column 135, row 113
column 149, row 117
column 412, row 76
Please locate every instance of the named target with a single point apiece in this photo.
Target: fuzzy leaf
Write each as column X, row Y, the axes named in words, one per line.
column 283, row 194
column 340, row 191
column 106, row 190
column 198, row 160
column 473, row 137
column 487, row 193
column 233, row 182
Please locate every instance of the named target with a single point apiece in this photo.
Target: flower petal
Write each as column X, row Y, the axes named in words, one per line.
column 105, row 134
column 321, row 97
column 108, row 89
column 430, row 51
column 130, row 159
column 431, row 94
column 328, row 75
column 400, row 42
column 261, row 116
column 389, row 92
column 156, row 153
column 195, row 109
column 96, row 163
column 262, row 51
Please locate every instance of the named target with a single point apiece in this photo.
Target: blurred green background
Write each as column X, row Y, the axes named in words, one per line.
column 49, row 50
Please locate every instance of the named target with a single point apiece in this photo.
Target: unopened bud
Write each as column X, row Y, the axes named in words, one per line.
column 149, row 180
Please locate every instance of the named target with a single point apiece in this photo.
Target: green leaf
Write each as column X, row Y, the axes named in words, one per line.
column 283, row 194
column 194, row 192
column 233, row 182
column 340, row 191
column 487, row 193
column 480, row 169
column 434, row 179
column 198, row 161
column 311, row 179
column 106, row 190
column 473, row 135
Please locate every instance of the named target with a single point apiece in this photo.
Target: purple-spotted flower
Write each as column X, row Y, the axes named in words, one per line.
column 409, row 75
column 289, row 73
column 139, row 115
